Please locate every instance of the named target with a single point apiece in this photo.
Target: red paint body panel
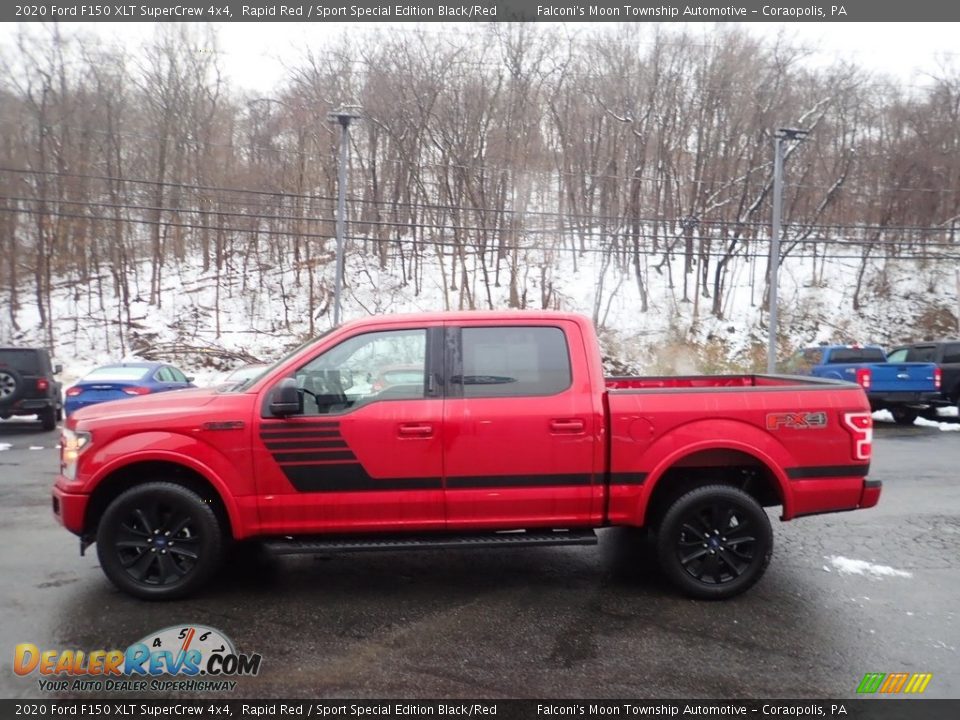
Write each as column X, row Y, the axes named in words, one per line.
column 589, row 455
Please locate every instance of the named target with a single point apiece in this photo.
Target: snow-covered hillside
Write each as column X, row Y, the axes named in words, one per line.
column 901, row 301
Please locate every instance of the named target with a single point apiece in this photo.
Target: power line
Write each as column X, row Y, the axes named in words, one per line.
column 622, row 228
column 279, row 194
column 470, row 248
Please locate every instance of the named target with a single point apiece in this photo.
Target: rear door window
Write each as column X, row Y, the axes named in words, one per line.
column 513, row 362
column 951, row 354
column 922, row 353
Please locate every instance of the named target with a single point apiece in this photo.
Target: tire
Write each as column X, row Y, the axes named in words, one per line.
column 703, row 553
column 11, row 385
column 48, row 419
column 59, row 413
column 903, row 416
column 166, row 517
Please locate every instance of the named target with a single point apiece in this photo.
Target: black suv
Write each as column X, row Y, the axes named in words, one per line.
column 945, row 353
column 27, row 386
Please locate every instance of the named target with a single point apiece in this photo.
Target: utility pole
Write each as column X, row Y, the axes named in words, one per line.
column 779, row 136
column 343, row 116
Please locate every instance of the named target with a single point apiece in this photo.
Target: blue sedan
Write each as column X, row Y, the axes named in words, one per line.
column 124, row 380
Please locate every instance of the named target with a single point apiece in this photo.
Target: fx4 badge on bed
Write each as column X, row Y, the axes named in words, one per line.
column 797, row 421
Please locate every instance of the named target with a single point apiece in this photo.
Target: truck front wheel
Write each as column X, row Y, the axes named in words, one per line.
column 714, row 542
column 159, row 541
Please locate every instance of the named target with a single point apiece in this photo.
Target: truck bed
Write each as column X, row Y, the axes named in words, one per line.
column 715, row 382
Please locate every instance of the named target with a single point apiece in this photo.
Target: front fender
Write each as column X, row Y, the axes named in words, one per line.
column 191, row 453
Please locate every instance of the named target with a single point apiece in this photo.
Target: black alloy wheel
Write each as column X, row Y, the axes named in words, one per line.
column 159, row 541
column 715, row 542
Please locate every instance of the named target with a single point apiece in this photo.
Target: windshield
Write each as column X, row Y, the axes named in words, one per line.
column 249, row 382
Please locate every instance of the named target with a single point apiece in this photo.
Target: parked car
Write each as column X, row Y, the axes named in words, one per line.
column 124, row 381
column 946, row 354
column 242, row 374
column 516, row 439
column 28, row 386
column 397, row 375
column 906, row 389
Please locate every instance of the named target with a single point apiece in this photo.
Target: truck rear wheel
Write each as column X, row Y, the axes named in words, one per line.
column 159, row 541
column 714, row 542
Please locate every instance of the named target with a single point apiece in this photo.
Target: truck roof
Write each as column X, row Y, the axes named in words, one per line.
column 472, row 315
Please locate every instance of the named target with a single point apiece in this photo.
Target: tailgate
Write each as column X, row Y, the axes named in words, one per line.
column 903, row 377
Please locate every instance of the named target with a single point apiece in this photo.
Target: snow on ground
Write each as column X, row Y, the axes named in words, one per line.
column 5, row 446
column 942, row 426
column 847, row 566
column 886, row 417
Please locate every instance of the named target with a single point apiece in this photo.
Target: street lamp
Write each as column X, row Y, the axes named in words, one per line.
column 779, row 136
column 343, row 116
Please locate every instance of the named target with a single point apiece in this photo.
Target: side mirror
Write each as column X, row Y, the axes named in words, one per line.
column 189, row 378
column 286, row 399
column 57, row 369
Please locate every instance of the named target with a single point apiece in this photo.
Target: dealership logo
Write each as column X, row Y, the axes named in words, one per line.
column 181, row 651
column 894, row 683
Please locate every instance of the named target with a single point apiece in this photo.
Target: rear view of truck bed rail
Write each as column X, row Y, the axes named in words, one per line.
column 714, row 382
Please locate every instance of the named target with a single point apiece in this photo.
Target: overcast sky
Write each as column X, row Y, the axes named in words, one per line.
column 255, row 53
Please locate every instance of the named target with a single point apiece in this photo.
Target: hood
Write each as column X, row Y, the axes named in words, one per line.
column 178, row 401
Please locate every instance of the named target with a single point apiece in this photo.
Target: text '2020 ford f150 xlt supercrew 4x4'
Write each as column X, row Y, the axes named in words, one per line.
column 508, row 435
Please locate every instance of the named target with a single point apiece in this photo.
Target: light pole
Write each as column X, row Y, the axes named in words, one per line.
column 779, row 136
column 343, row 116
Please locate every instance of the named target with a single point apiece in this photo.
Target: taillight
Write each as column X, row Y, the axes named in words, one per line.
column 137, row 390
column 74, row 391
column 860, row 426
column 937, row 378
column 864, row 378
column 42, row 384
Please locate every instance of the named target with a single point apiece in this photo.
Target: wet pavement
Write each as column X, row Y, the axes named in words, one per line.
column 539, row 622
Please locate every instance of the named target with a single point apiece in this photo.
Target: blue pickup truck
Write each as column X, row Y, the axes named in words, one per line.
column 906, row 389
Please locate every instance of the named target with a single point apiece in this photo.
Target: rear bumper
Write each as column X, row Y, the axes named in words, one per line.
column 833, row 494
column 27, row 406
column 870, row 495
column 69, row 508
column 891, row 399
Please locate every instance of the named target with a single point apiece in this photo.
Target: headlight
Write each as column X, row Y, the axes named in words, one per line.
column 72, row 443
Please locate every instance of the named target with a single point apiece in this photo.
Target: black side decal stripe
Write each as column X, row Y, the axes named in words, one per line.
column 306, row 445
column 312, row 456
column 299, row 434
column 828, row 471
column 351, row 477
column 628, row 478
column 507, row 481
column 268, row 427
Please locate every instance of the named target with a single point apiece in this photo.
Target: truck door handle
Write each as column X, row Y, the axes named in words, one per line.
column 416, row 430
column 567, row 425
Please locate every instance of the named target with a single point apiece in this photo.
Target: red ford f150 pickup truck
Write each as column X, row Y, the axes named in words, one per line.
column 508, row 435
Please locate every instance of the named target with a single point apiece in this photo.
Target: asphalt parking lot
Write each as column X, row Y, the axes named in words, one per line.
column 538, row 622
